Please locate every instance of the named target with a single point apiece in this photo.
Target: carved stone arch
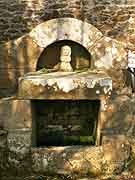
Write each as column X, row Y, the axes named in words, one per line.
column 103, row 50
column 66, row 29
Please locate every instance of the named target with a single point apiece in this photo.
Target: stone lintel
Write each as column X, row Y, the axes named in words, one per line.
column 65, row 85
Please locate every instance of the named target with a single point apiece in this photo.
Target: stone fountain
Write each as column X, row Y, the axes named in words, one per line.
column 62, row 82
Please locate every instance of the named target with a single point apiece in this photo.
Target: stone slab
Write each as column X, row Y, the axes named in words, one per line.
column 64, row 85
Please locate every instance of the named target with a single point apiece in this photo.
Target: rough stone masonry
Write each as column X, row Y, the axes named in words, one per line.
column 110, row 35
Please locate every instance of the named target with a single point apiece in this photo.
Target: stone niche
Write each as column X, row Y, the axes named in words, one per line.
column 51, row 56
column 50, row 82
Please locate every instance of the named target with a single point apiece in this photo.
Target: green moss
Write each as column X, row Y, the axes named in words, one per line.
column 79, row 140
column 87, row 139
column 72, row 140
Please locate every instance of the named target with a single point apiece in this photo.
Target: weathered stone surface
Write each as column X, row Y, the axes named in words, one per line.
column 120, row 115
column 21, row 56
column 3, row 152
column 116, row 150
column 3, row 138
column 109, row 53
column 17, row 58
column 112, row 18
column 19, row 140
column 19, row 17
column 3, row 161
column 18, row 144
column 15, row 113
column 110, row 56
column 60, row 28
column 64, row 85
column 68, row 160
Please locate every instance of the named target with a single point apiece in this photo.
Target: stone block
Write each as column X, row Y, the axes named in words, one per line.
column 3, row 152
column 3, row 139
column 15, row 113
column 16, row 60
column 79, row 85
column 19, row 141
column 120, row 115
column 3, row 161
column 68, row 160
column 19, row 158
column 116, row 150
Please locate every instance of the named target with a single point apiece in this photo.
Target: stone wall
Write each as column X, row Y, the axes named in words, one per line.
column 21, row 55
column 114, row 18
column 15, row 62
column 19, row 17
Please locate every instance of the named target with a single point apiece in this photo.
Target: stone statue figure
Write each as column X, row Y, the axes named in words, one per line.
column 64, row 64
column 65, row 59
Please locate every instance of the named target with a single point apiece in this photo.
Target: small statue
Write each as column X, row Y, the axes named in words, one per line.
column 64, row 64
column 65, row 59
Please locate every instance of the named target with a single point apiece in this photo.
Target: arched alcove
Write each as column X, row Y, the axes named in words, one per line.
column 66, row 29
column 50, row 57
column 103, row 50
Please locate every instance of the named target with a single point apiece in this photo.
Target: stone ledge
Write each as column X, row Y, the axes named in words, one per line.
column 60, row 85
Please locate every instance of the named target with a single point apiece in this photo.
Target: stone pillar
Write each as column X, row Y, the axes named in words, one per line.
column 17, row 120
column 19, row 144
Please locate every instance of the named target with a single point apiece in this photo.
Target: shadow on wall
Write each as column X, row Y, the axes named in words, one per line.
column 15, row 25
column 12, row 67
column 120, row 115
column 17, row 58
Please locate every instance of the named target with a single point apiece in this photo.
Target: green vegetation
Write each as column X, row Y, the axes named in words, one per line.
column 79, row 140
